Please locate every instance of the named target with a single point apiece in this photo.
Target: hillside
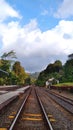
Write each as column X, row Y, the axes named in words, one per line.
column 34, row 75
column 63, row 73
column 52, row 70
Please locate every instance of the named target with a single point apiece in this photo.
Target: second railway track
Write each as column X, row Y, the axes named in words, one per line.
column 59, row 117
column 66, row 103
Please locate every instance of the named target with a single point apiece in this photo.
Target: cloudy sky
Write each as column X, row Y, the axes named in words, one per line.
column 39, row 31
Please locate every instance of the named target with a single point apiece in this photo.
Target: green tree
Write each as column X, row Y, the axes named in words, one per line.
column 70, row 57
column 8, row 55
column 5, row 65
column 57, row 65
column 17, row 68
column 53, row 70
column 28, row 81
column 68, row 70
column 19, row 72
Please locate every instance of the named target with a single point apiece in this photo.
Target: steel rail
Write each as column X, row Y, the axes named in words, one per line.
column 61, row 104
column 18, row 113
column 70, row 101
column 44, row 112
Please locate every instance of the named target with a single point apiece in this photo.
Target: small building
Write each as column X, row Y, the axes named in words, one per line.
column 50, row 81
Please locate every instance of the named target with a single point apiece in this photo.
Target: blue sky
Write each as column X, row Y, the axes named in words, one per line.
column 39, row 9
column 39, row 31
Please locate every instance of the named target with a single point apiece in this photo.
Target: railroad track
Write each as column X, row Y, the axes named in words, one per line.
column 31, row 115
column 8, row 113
column 66, row 103
column 59, row 117
column 68, row 100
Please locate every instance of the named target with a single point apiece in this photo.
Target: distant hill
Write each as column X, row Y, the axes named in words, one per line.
column 34, row 75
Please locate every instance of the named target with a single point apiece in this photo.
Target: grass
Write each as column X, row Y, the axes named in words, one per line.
column 64, row 84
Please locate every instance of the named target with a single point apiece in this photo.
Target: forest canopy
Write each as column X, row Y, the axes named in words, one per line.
column 11, row 71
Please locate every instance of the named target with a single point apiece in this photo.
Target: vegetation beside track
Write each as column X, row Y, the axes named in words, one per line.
column 62, row 73
column 63, row 86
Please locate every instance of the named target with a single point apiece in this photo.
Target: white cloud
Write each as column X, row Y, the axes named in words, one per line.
column 65, row 9
column 7, row 11
column 37, row 48
column 34, row 48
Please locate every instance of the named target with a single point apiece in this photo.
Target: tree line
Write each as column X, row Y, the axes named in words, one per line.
column 11, row 71
column 63, row 73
